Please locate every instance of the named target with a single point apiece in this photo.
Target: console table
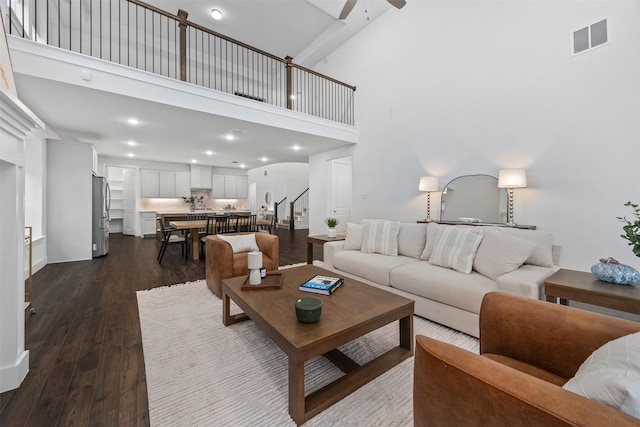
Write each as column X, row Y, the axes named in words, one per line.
column 583, row 287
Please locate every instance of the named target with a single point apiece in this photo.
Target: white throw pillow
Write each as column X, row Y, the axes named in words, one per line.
column 455, row 247
column 542, row 254
column 381, row 237
column 432, row 233
column 353, row 240
column 611, row 375
column 241, row 242
column 412, row 239
column 500, row 254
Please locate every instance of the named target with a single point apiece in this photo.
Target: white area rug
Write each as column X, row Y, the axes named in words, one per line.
column 201, row 373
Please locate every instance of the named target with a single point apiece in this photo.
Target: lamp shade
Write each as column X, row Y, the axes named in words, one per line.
column 254, row 260
column 512, row 178
column 428, row 183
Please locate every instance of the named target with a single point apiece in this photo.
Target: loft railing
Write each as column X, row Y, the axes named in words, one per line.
column 133, row 33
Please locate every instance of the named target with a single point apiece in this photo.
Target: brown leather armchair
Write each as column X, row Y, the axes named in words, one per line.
column 528, row 350
column 222, row 263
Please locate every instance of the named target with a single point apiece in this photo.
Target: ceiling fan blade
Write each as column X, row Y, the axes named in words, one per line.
column 397, row 3
column 347, row 8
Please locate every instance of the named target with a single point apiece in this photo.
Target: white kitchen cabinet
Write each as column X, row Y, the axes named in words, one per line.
column 217, row 190
column 242, row 187
column 201, row 177
column 183, row 184
column 230, row 183
column 148, row 221
column 166, row 184
column 150, row 183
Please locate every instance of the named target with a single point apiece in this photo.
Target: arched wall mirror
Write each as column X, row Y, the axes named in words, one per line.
column 474, row 197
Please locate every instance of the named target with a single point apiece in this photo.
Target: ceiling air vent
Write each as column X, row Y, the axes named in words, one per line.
column 590, row 37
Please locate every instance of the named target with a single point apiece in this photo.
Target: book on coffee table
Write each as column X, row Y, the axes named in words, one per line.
column 324, row 285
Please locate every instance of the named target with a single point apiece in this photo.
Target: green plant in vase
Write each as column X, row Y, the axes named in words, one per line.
column 331, row 223
column 632, row 228
column 191, row 201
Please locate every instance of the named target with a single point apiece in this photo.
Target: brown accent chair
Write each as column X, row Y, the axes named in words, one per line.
column 222, row 263
column 528, row 350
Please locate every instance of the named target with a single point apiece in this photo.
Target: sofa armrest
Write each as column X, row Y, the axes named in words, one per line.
column 454, row 387
column 219, row 263
column 552, row 337
column 269, row 245
column 526, row 281
column 329, row 249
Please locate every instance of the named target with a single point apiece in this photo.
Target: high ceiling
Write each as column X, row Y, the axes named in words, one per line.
column 304, row 29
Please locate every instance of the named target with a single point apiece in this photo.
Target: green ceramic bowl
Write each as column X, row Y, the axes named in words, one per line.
column 308, row 309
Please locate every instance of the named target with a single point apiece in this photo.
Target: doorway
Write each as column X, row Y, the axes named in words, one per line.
column 340, row 191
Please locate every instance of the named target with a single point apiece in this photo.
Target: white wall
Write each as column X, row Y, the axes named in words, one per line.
column 448, row 88
column 281, row 180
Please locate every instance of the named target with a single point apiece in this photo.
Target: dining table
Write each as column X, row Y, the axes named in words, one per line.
column 195, row 226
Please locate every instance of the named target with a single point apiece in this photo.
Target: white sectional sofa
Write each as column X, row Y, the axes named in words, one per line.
column 446, row 269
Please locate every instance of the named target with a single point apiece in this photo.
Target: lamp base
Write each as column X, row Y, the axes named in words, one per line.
column 254, row 277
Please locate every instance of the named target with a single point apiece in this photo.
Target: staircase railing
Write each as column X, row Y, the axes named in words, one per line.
column 280, row 209
column 133, row 33
column 299, row 207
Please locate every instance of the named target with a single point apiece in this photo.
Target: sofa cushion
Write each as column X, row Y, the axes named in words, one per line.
column 353, row 239
column 432, row 232
column 412, row 239
column 456, row 248
column 374, row 267
column 241, row 242
column 443, row 285
column 381, row 237
column 499, row 253
column 542, row 254
column 611, row 375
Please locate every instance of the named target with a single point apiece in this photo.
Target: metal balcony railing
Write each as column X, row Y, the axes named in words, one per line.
column 135, row 34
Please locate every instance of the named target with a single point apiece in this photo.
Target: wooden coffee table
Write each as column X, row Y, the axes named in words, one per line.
column 583, row 287
column 351, row 312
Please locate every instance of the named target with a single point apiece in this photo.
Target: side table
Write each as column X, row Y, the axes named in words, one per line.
column 320, row 240
column 583, row 287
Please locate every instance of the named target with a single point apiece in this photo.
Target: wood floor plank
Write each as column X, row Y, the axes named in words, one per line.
column 84, row 342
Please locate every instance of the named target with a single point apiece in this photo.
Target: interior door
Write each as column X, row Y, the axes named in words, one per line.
column 340, row 191
column 128, row 202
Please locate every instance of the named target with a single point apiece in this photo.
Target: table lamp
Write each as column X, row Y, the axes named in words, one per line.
column 510, row 179
column 254, row 262
column 428, row 184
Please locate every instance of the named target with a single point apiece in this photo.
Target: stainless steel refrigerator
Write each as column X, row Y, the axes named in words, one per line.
column 100, row 222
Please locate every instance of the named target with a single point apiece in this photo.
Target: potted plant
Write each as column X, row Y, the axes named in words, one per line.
column 632, row 228
column 192, row 201
column 331, row 223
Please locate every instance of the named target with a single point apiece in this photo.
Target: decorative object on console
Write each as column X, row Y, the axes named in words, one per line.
column 428, row 184
column 254, row 262
column 510, row 179
column 331, row 223
column 632, row 229
column 610, row 270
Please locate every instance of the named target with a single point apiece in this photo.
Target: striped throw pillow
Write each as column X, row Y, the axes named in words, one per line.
column 381, row 237
column 455, row 247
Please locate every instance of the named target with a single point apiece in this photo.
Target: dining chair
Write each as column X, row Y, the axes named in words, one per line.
column 269, row 224
column 168, row 238
column 211, row 228
column 245, row 223
column 222, row 224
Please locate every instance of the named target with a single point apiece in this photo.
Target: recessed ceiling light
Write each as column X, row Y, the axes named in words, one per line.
column 131, row 143
column 209, row 153
column 230, row 137
column 130, row 154
column 264, row 159
column 296, row 147
column 243, row 165
column 194, row 161
column 216, row 14
column 133, row 121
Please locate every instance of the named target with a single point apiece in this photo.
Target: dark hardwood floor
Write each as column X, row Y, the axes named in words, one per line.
column 85, row 348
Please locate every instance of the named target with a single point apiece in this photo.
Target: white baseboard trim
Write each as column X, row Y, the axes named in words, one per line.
column 11, row 376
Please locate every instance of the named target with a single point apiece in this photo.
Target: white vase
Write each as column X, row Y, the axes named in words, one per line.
column 332, row 232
